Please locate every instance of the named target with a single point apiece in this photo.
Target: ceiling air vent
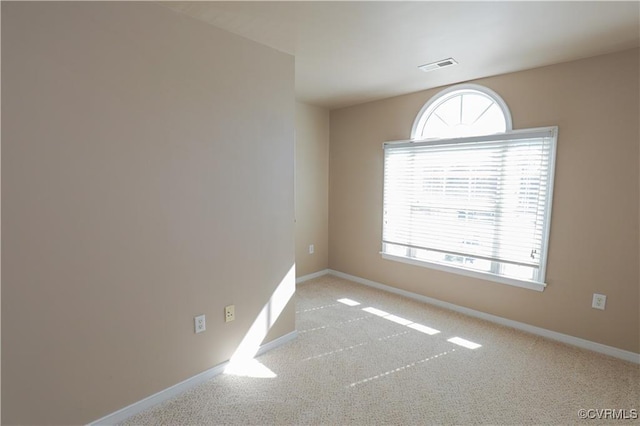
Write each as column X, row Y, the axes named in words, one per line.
column 438, row 64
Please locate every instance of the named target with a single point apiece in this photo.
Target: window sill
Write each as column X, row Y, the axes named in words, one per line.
column 467, row 272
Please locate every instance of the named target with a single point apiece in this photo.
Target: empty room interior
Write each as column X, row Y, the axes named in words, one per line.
column 320, row 212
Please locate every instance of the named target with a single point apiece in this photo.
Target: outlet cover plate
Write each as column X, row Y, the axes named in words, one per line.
column 229, row 313
column 599, row 301
column 200, row 323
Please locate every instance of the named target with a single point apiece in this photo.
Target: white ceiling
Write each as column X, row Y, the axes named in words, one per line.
column 352, row 52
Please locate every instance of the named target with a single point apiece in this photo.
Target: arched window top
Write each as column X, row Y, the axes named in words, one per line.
column 461, row 111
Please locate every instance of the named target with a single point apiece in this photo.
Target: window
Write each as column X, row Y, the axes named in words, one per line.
column 466, row 110
column 468, row 194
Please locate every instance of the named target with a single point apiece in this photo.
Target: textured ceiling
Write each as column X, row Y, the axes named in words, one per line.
column 352, row 52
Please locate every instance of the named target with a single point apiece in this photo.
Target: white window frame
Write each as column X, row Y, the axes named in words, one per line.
column 440, row 97
column 419, row 124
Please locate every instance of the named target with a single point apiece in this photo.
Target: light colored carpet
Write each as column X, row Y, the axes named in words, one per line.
column 351, row 366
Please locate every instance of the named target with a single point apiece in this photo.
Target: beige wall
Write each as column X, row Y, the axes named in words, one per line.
column 147, row 177
column 312, row 188
column 594, row 226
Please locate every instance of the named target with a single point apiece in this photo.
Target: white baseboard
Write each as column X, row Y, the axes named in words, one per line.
column 311, row 276
column 181, row 387
column 564, row 338
column 277, row 342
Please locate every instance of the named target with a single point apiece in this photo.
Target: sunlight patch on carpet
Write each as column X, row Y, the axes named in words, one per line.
column 423, row 329
column 375, row 311
column 464, row 343
column 398, row 320
column 348, row 302
column 249, row 368
column 408, row 323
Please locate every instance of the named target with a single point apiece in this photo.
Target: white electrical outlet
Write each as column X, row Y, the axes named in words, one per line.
column 229, row 313
column 199, row 324
column 311, row 249
column 599, row 300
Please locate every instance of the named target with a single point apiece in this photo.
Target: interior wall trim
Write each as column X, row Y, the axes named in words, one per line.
column 311, row 276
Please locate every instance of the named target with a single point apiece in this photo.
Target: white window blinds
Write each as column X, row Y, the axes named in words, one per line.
column 481, row 203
